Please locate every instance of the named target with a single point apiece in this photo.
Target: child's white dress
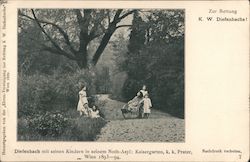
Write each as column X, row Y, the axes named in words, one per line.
column 82, row 102
column 147, row 105
column 95, row 114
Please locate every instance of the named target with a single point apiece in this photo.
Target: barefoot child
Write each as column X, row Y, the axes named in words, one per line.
column 147, row 105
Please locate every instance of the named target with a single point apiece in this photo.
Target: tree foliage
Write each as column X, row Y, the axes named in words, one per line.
column 69, row 32
column 156, row 58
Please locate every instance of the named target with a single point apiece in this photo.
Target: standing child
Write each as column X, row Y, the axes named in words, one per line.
column 147, row 105
column 82, row 106
column 144, row 92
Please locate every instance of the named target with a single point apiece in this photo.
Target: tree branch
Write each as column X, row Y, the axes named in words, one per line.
column 78, row 16
column 109, row 19
column 126, row 14
column 83, row 22
column 58, row 52
column 116, row 17
column 94, row 31
column 58, row 49
column 46, row 34
column 108, row 34
column 87, row 17
column 64, row 34
column 93, row 35
column 120, row 26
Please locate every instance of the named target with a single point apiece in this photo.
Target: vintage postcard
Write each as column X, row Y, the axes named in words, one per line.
column 124, row 80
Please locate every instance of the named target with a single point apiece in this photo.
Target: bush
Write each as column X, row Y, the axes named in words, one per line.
column 34, row 93
column 65, row 125
column 49, row 124
column 48, row 92
column 84, row 129
column 169, row 95
column 67, row 86
column 56, row 129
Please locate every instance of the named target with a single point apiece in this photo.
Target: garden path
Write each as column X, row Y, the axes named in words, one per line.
column 160, row 127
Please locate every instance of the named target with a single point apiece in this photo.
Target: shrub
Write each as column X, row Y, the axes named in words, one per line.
column 49, row 124
column 47, row 92
column 67, row 86
column 56, row 129
column 65, row 125
column 34, row 93
column 84, row 129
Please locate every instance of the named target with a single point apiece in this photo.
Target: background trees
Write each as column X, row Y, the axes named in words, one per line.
column 113, row 51
column 68, row 32
column 155, row 57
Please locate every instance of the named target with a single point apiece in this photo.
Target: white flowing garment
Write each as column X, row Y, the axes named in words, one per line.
column 82, row 100
column 94, row 114
column 147, row 105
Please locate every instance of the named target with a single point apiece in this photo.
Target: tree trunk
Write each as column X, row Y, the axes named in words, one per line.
column 81, row 64
column 82, row 61
column 103, row 43
column 90, row 28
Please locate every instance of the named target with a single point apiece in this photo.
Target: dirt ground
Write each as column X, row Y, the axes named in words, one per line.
column 160, row 127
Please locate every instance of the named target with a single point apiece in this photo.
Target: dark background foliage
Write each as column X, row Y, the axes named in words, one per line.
column 155, row 57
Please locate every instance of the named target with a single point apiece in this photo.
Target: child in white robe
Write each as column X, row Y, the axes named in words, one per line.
column 147, row 105
column 82, row 106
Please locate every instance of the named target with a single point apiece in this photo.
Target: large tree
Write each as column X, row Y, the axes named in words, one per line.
column 69, row 32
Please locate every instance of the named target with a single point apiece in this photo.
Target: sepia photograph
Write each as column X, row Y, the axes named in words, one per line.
column 103, row 75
